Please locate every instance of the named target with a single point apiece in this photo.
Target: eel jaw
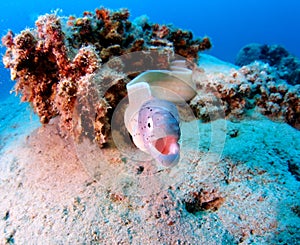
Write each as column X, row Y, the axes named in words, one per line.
column 167, row 145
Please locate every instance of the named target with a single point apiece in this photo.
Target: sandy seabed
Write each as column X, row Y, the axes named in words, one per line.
column 235, row 184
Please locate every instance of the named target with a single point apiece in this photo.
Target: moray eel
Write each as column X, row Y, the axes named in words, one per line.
column 158, row 124
column 152, row 117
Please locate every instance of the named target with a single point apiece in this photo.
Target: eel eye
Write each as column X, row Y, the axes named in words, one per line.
column 150, row 123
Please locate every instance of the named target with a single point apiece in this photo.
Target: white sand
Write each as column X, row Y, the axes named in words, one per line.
column 52, row 195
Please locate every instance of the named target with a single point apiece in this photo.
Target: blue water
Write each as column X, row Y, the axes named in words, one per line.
column 230, row 24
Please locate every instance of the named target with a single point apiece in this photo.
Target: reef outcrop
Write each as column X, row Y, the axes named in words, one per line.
column 72, row 69
column 287, row 65
column 256, row 86
column 58, row 65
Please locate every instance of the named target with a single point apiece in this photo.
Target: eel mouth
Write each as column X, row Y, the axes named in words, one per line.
column 167, row 145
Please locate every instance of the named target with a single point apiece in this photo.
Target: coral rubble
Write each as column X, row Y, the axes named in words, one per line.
column 56, row 63
column 273, row 78
column 287, row 65
column 203, row 200
column 255, row 86
column 273, row 96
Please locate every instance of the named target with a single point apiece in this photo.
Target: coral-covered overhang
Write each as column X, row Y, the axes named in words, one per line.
column 54, row 64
